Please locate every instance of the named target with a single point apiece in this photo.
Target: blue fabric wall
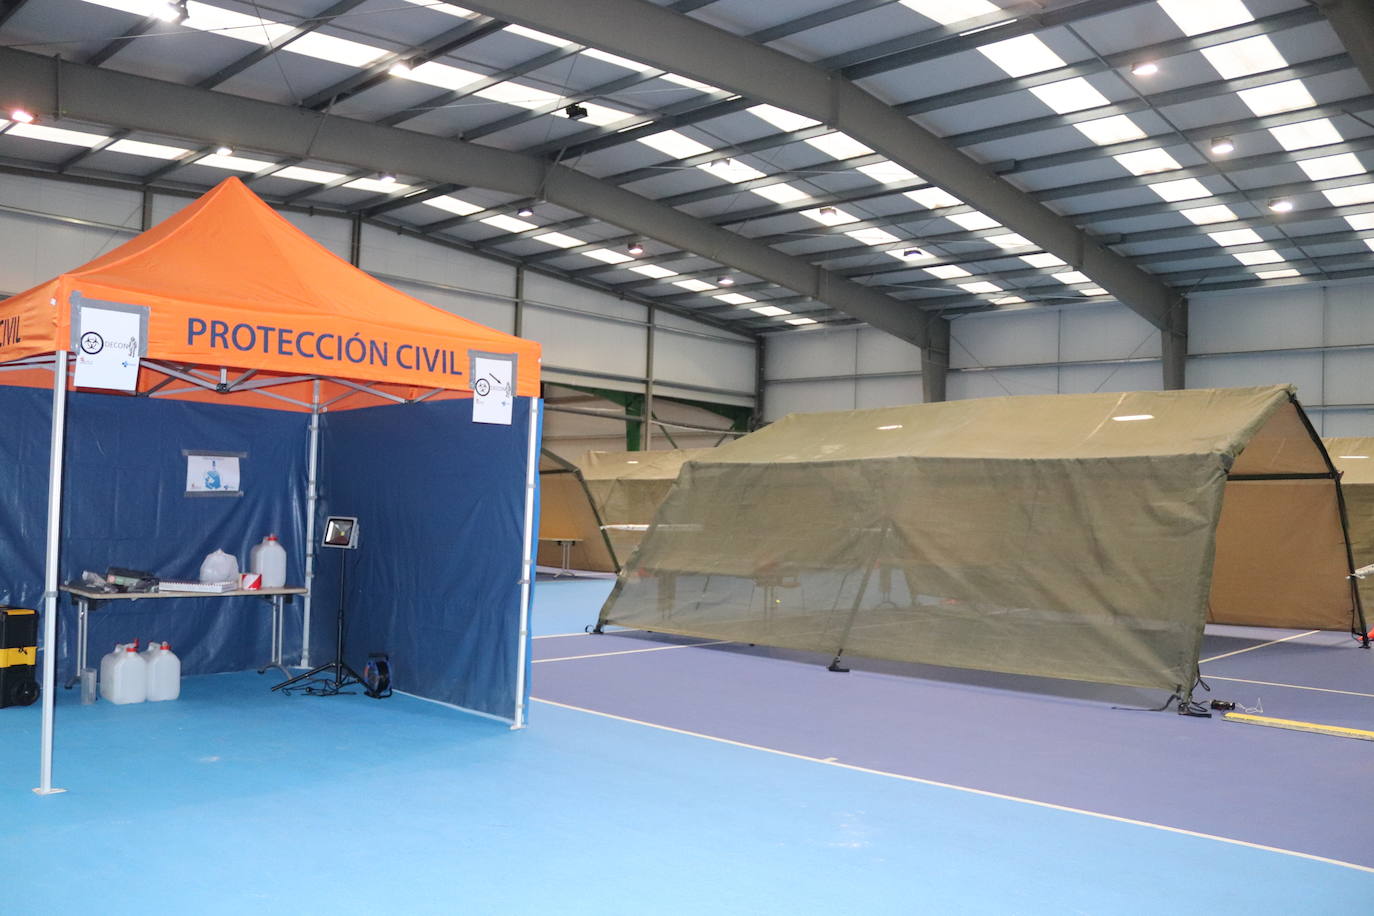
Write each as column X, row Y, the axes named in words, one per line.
column 435, row 582
column 124, row 504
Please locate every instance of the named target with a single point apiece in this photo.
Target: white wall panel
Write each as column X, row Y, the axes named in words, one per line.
column 887, row 392
column 879, row 351
column 808, row 354
column 539, row 288
column 1286, row 317
column 711, row 363
column 1004, row 339
column 491, row 312
column 669, row 320
column 574, row 342
column 1344, row 423
column 1349, row 377
column 1105, row 332
column 1350, row 314
column 35, row 251
column 1301, row 369
column 116, row 206
column 1121, row 377
column 396, row 255
column 332, row 232
column 1002, row 382
column 807, row 397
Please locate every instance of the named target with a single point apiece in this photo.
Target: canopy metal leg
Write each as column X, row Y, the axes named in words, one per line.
column 59, row 420
column 858, row 600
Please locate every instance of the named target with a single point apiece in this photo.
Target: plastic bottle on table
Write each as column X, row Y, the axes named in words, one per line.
column 128, row 678
column 269, row 559
column 164, row 675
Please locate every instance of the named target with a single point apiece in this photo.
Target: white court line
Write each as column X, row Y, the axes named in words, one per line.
column 1260, row 646
column 1241, row 680
column 610, row 632
column 983, row 792
column 570, row 658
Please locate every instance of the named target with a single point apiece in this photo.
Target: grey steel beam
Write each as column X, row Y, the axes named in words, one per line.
column 682, row 45
column 103, row 97
column 8, row 8
column 1353, row 23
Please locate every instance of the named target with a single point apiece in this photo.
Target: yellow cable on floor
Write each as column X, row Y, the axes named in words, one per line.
column 1315, row 727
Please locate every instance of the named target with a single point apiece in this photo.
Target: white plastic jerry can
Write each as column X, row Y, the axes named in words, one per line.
column 269, row 559
column 164, row 675
column 107, row 668
column 153, row 647
column 128, row 678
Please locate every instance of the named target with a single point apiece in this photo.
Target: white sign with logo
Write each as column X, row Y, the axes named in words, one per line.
column 107, row 348
column 493, row 389
column 212, row 474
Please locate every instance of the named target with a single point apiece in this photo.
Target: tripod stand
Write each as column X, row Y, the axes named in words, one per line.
column 343, row 676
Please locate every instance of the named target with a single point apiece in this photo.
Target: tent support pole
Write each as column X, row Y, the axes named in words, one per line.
column 312, row 491
column 527, row 564
column 858, row 599
column 55, row 462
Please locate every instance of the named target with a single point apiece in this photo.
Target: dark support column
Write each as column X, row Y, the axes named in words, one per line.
column 146, row 219
column 1174, row 347
column 647, row 435
column 935, row 362
column 759, row 382
column 355, row 241
column 519, row 300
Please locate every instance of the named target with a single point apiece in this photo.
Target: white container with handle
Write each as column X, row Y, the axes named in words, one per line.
column 269, row 559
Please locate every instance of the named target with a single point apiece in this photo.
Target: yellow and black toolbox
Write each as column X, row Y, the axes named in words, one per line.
column 18, row 656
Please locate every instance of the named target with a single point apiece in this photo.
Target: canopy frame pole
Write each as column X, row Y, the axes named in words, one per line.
column 311, row 500
column 527, row 563
column 858, row 599
column 56, row 461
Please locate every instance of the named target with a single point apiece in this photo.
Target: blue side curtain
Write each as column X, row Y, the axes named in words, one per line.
column 435, row 581
column 124, row 504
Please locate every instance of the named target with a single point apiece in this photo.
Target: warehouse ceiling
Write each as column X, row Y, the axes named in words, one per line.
column 767, row 166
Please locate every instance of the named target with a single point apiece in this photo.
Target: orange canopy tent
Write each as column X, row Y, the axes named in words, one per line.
column 241, row 307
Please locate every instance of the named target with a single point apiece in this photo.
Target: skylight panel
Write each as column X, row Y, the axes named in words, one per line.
column 1344, row 197
column 377, row 186
column 1276, row 274
column 1369, row 243
column 735, row 298
column 696, row 286
column 731, row 170
column 1147, row 161
column 1361, row 221
column 801, row 321
column 559, row 240
column 689, row 82
column 1337, row 166
column 1252, row 258
column 888, row 172
column 674, row 144
column 1116, row 129
column 617, row 60
column 453, row 205
column 973, row 220
column 1276, row 98
column 653, row 270
column 442, row 76
column 933, row 198
column 608, row 256
column 830, row 216
column 770, row 311
column 1072, row 276
column 1042, row 260
column 542, row 37
column 1183, row 189
column 299, row 173
column 336, row 50
column 233, row 163
column 151, row 150
column 873, row 236
column 1201, row 216
column 1317, row 132
column 511, row 93
column 509, row 223
column 1242, row 58
column 781, row 193
column 1069, row 95
column 57, row 135
column 205, row 18
column 440, row 7
column 1235, row 237
column 1022, row 55
column 947, row 271
column 1093, row 291
column 950, row 11
column 980, row 286
column 781, row 118
column 1008, row 300
column 839, row 145
column 1008, row 241
column 1197, row 16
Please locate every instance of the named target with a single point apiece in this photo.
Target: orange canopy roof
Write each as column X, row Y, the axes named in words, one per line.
column 229, row 282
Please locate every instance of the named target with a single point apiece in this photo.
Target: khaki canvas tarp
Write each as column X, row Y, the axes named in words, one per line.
column 1067, row 536
column 566, row 513
column 628, row 488
column 1354, row 458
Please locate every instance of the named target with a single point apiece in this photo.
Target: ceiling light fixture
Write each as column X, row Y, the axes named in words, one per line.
column 223, row 150
column 525, row 212
column 174, row 11
column 386, row 178
column 1145, row 68
column 635, row 248
column 827, row 211
column 726, row 281
column 1222, row 146
column 1281, row 205
column 575, row 112
column 913, row 253
column 21, row 116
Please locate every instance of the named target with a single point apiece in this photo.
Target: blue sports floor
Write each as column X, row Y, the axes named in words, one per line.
column 662, row 777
